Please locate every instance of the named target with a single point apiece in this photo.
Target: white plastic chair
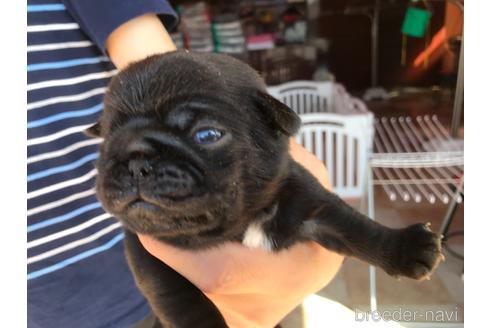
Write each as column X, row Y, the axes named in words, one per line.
column 304, row 96
column 315, row 97
column 336, row 127
column 343, row 143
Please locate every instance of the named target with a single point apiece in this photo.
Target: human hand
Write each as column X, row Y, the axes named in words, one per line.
column 254, row 287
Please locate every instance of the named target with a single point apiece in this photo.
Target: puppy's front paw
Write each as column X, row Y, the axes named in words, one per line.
column 419, row 252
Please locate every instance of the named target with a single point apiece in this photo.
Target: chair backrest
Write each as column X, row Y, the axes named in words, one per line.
column 336, row 127
column 343, row 143
column 317, row 97
column 305, row 96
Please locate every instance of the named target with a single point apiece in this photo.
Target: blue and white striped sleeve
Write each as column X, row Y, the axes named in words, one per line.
column 99, row 18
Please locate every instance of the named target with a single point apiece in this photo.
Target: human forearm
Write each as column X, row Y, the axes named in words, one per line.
column 137, row 39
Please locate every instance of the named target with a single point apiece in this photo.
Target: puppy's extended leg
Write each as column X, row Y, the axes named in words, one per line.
column 413, row 252
column 175, row 301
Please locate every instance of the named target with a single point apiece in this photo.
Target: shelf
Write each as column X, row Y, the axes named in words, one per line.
column 417, row 160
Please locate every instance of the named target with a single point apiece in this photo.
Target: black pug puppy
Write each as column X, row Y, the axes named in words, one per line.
column 195, row 153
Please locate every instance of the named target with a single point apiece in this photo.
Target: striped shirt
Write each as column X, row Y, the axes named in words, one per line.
column 77, row 273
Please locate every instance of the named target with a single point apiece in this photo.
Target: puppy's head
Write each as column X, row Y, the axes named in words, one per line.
column 192, row 145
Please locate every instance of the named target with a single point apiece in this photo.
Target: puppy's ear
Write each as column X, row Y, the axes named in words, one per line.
column 277, row 114
column 93, row 131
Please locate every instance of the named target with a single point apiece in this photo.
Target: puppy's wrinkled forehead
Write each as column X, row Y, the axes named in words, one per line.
column 157, row 80
column 155, row 86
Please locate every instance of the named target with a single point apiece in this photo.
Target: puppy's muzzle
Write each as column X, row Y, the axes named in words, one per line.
column 172, row 181
column 160, row 165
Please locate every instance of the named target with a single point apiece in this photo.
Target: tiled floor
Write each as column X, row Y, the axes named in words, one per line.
column 443, row 294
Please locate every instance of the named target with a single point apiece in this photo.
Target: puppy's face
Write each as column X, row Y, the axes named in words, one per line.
column 192, row 145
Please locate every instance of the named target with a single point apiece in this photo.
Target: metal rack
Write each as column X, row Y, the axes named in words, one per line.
column 417, row 160
column 414, row 160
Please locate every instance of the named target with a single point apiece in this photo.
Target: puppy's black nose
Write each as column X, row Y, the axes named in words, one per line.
column 139, row 168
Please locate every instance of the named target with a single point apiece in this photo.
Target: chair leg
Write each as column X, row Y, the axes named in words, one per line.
column 370, row 214
column 448, row 219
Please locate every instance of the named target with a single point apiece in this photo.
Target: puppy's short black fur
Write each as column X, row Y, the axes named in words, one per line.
column 195, row 153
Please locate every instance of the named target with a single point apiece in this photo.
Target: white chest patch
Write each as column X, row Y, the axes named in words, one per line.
column 255, row 237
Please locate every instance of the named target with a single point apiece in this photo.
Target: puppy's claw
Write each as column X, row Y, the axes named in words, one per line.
column 396, row 276
column 442, row 257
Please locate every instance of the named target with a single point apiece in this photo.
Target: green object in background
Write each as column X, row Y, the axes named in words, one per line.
column 215, row 37
column 415, row 22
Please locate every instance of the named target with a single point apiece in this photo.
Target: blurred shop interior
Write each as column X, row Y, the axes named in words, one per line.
column 379, row 87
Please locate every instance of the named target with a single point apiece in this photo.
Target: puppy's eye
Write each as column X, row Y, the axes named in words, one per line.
column 207, row 136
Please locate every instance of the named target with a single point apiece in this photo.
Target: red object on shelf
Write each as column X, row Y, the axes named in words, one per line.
column 261, row 41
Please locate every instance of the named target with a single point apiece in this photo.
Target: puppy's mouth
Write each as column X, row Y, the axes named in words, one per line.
column 147, row 204
column 140, row 204
column 147, row 217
